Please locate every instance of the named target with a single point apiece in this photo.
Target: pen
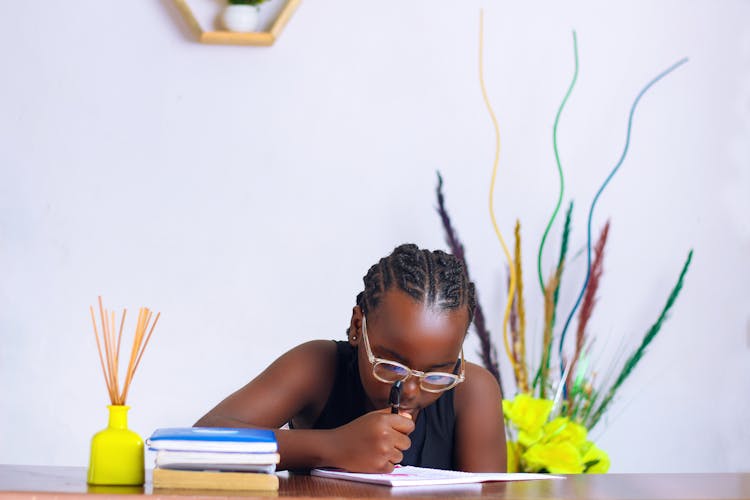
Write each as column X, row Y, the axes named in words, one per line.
column 395, row 397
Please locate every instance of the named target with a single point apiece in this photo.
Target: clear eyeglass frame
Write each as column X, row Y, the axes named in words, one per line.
column 376, row 362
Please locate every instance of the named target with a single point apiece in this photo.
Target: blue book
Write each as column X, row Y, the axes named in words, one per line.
column 213, row 439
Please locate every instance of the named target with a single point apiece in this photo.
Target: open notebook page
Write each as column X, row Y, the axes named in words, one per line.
column 420, row 476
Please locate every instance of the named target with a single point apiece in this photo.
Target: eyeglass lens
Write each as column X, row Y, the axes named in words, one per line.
column 391, row 373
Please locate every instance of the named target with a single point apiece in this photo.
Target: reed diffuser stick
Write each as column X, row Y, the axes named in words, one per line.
column 111, row 341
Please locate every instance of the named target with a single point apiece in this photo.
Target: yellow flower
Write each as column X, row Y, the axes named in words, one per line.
column 585, row 447
column 528, row 414
column 527, row 439
column 598, row 458
column 555, row 426
column 559, row 446
column 562, row 429
column 556, row 458
column 512, row 449
column 507, row 407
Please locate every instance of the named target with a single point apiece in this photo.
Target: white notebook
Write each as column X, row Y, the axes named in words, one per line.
column 239, row 462
column 419, row 476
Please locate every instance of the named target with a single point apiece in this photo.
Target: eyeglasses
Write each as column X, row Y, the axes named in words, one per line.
column 391, row 372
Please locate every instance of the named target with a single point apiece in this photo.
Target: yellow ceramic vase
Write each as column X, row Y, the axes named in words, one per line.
column 116, row 452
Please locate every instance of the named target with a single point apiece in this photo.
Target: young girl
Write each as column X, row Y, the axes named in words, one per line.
column 408, row 325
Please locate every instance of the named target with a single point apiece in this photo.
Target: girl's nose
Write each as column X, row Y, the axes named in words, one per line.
column 410, row 389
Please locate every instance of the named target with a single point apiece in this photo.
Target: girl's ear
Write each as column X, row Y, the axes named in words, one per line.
column 355, row 326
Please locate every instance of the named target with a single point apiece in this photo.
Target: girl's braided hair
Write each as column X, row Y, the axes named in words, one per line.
column 434, row 278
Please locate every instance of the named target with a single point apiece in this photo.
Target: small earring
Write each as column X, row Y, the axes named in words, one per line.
column 354, row 337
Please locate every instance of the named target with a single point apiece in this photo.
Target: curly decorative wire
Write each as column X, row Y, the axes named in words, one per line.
column 559, row 166
column 511, row 267
column 596, row 198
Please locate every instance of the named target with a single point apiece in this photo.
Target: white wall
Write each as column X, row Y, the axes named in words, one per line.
column 243, row 192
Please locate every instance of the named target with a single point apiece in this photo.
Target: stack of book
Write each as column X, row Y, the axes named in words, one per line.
column 211, row 458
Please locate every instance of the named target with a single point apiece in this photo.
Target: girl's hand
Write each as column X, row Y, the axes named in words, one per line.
column 372, row 443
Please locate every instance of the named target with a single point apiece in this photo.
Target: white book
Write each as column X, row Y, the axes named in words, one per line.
column 420, row 476
column 198, row 460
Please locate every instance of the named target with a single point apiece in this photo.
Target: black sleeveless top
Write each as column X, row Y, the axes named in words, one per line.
column 432, row 438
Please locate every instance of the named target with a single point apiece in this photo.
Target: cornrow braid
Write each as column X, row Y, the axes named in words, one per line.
column 434, row 278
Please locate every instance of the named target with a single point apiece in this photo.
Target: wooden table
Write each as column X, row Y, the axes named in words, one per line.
column 69, row 483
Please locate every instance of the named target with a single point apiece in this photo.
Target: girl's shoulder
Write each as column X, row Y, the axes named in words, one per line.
column 479, row 433
column 315, row 358
column 310, row 370
column 315, row 350
column 479, row 388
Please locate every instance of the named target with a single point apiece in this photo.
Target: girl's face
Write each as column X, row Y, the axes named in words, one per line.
column 421, row 337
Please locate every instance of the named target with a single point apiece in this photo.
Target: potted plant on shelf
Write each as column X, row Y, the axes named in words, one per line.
column 242, row 15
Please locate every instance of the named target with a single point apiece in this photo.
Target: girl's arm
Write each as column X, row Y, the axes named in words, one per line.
column 297, row 382
column 298, row 385
column 480, row 430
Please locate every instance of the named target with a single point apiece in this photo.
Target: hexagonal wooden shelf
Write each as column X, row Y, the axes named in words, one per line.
column 264, row 38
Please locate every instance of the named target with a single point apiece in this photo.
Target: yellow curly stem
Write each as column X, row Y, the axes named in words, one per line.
column 519, row 345
column 511, row 267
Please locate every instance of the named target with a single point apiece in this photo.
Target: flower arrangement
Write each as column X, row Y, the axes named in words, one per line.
column 548, row 420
